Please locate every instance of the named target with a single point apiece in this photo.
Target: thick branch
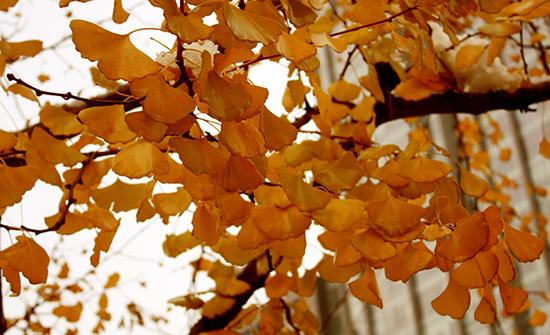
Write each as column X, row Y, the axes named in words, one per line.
column 456, row 102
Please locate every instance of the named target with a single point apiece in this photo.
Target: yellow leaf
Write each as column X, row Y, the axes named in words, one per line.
column 544, row 147
column 453, row 301
column 278, row 286
column 343, row 175
column 500, row 29
column 117, row 57
column 251, row 27
column 11, row 275
column 301, row 194
column 239, row 174
column 173, row 203
column 280, row 223
column 512, row 298
column 231, row 286
column 524, row 246
column 408, row 261
column 278, row 133
column 23, row 91
column 413, row 89
column 5, row 4
column 338, row 274
column 538, row 318
column 402, row 44
column 421, row 169
column 365, row 288
column 393, row 216
column 139, row 160
column 59, row 122
column 187, row 301
column 108, row 123
column 486, row 311
column 367, row 11
column 293, row 248
column 242, row 139
column 470, row 236
column 30, row 259
column 478, row 271
column 144, row 125
column 199, row 156
column 174, row 245
column 468, row 55
column 53, row 150
column 14, row 50
column 295, row 49
column 112, row 281
column 119, row 14
column 124, row 196
column 471, row 184
column 373, row 247
column 343, row 91
column 337, row 44
column 163, row 102
column 217, row 306
column 205, row 225
column 74, row 222
column 339, row 214
column 7, row 140
column 71, row 313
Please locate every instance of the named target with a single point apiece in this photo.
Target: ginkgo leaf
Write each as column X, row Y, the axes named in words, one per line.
column 453, row 301
column 471, row 184
column 301, row 194
column 387, row 174
column 174, row 245
column 14, row 50
column 163, row 102
column 71, row 313
column 11, row 275
column 239, row 174
column 250, row 236
column 217, row 306
column 188, row 28
column 343, row 175
column 53, row 150
column 5, row 4
column 144, row 125
column 280, row 223
column 512, row 298
column 337, row 44
column 506, row 268
column 365, row 288
column 393, row 216
column 344, row 91
column 251, row 27
column 373, row 246
column 339, row 214
column 486, row 311
column 294, row 49
column 402, row 44
column 59, row 122
column 230, row 287
column 338, row 274
column 538, row 318
column 23, row 91
column 73, row 223
column 108, row 123
column 500, row 29
column 117, row 57
column 124, row 196
column 7, row 140
column 189, row 301
column 205, row 225
column 199, row 156
column 278, row 286
column 278, row 133
column 139, row 160
column 408, row 261
column 227, row 101
column 102, row 243
column 421, row 169
column 173, row 203
column 468, row 55
column 232, row 253
column 242, row 139
column 112, row 281
column 119, row 14
column 292, row 248
column 346, row 255
column 30, row 259
column 524, row 246
column 469, row 237
column 544, row 147
column 476, row 272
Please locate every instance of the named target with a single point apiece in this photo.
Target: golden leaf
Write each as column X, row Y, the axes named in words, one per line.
column 373, row 246
column 280, row 223
column 108, row 123
column 27, row 257
column 486, row 311
column 538, row 318
column 500, row 29
column 343, row 91
column 478, row 271
column 544, row 147
column 453, row 301
column 163, row 102
column 295, row 49
column 139, row 160
column 402, row 44
column 14, row 50
column 23, row 91
column 343, row 175
column 301, row 194
column 251, row 27
column 471, row 184
column 174, row 245
column 408, row 261
column 339, row 214
column 292, row 248
column 59, row 122
column 278, row 133
column 217, row 306
column 524, row 246
column 242, row 139
column 239, row 174
column 7, row 140
column 393, row 216
column 119, row 14
column 365, row 288
column 338, row 274
column 144, row 125
column 124, row 196
column 199, row 156
column 205, row 225
column 512, row 298
column 117, row 57
column 470, row 236
column 71, row 313
column 229, row 287
column 53, row 150
column 173, row 203
column 468, row 55
column 421, row 169
column 337, row 44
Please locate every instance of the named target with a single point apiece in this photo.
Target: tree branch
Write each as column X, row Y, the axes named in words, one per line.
column 456, row 102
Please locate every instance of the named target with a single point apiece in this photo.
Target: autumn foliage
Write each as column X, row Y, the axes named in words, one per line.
column 192, row 118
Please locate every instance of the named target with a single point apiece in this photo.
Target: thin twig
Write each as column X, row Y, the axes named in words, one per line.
column 69, row 95
column 289, row 316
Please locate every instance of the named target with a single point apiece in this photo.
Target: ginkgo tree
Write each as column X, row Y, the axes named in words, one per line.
column 193, row 119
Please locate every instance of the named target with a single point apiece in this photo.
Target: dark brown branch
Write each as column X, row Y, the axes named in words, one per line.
column 69, row 96
column 456, row 102
column 255, row 280
column 288, row 316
